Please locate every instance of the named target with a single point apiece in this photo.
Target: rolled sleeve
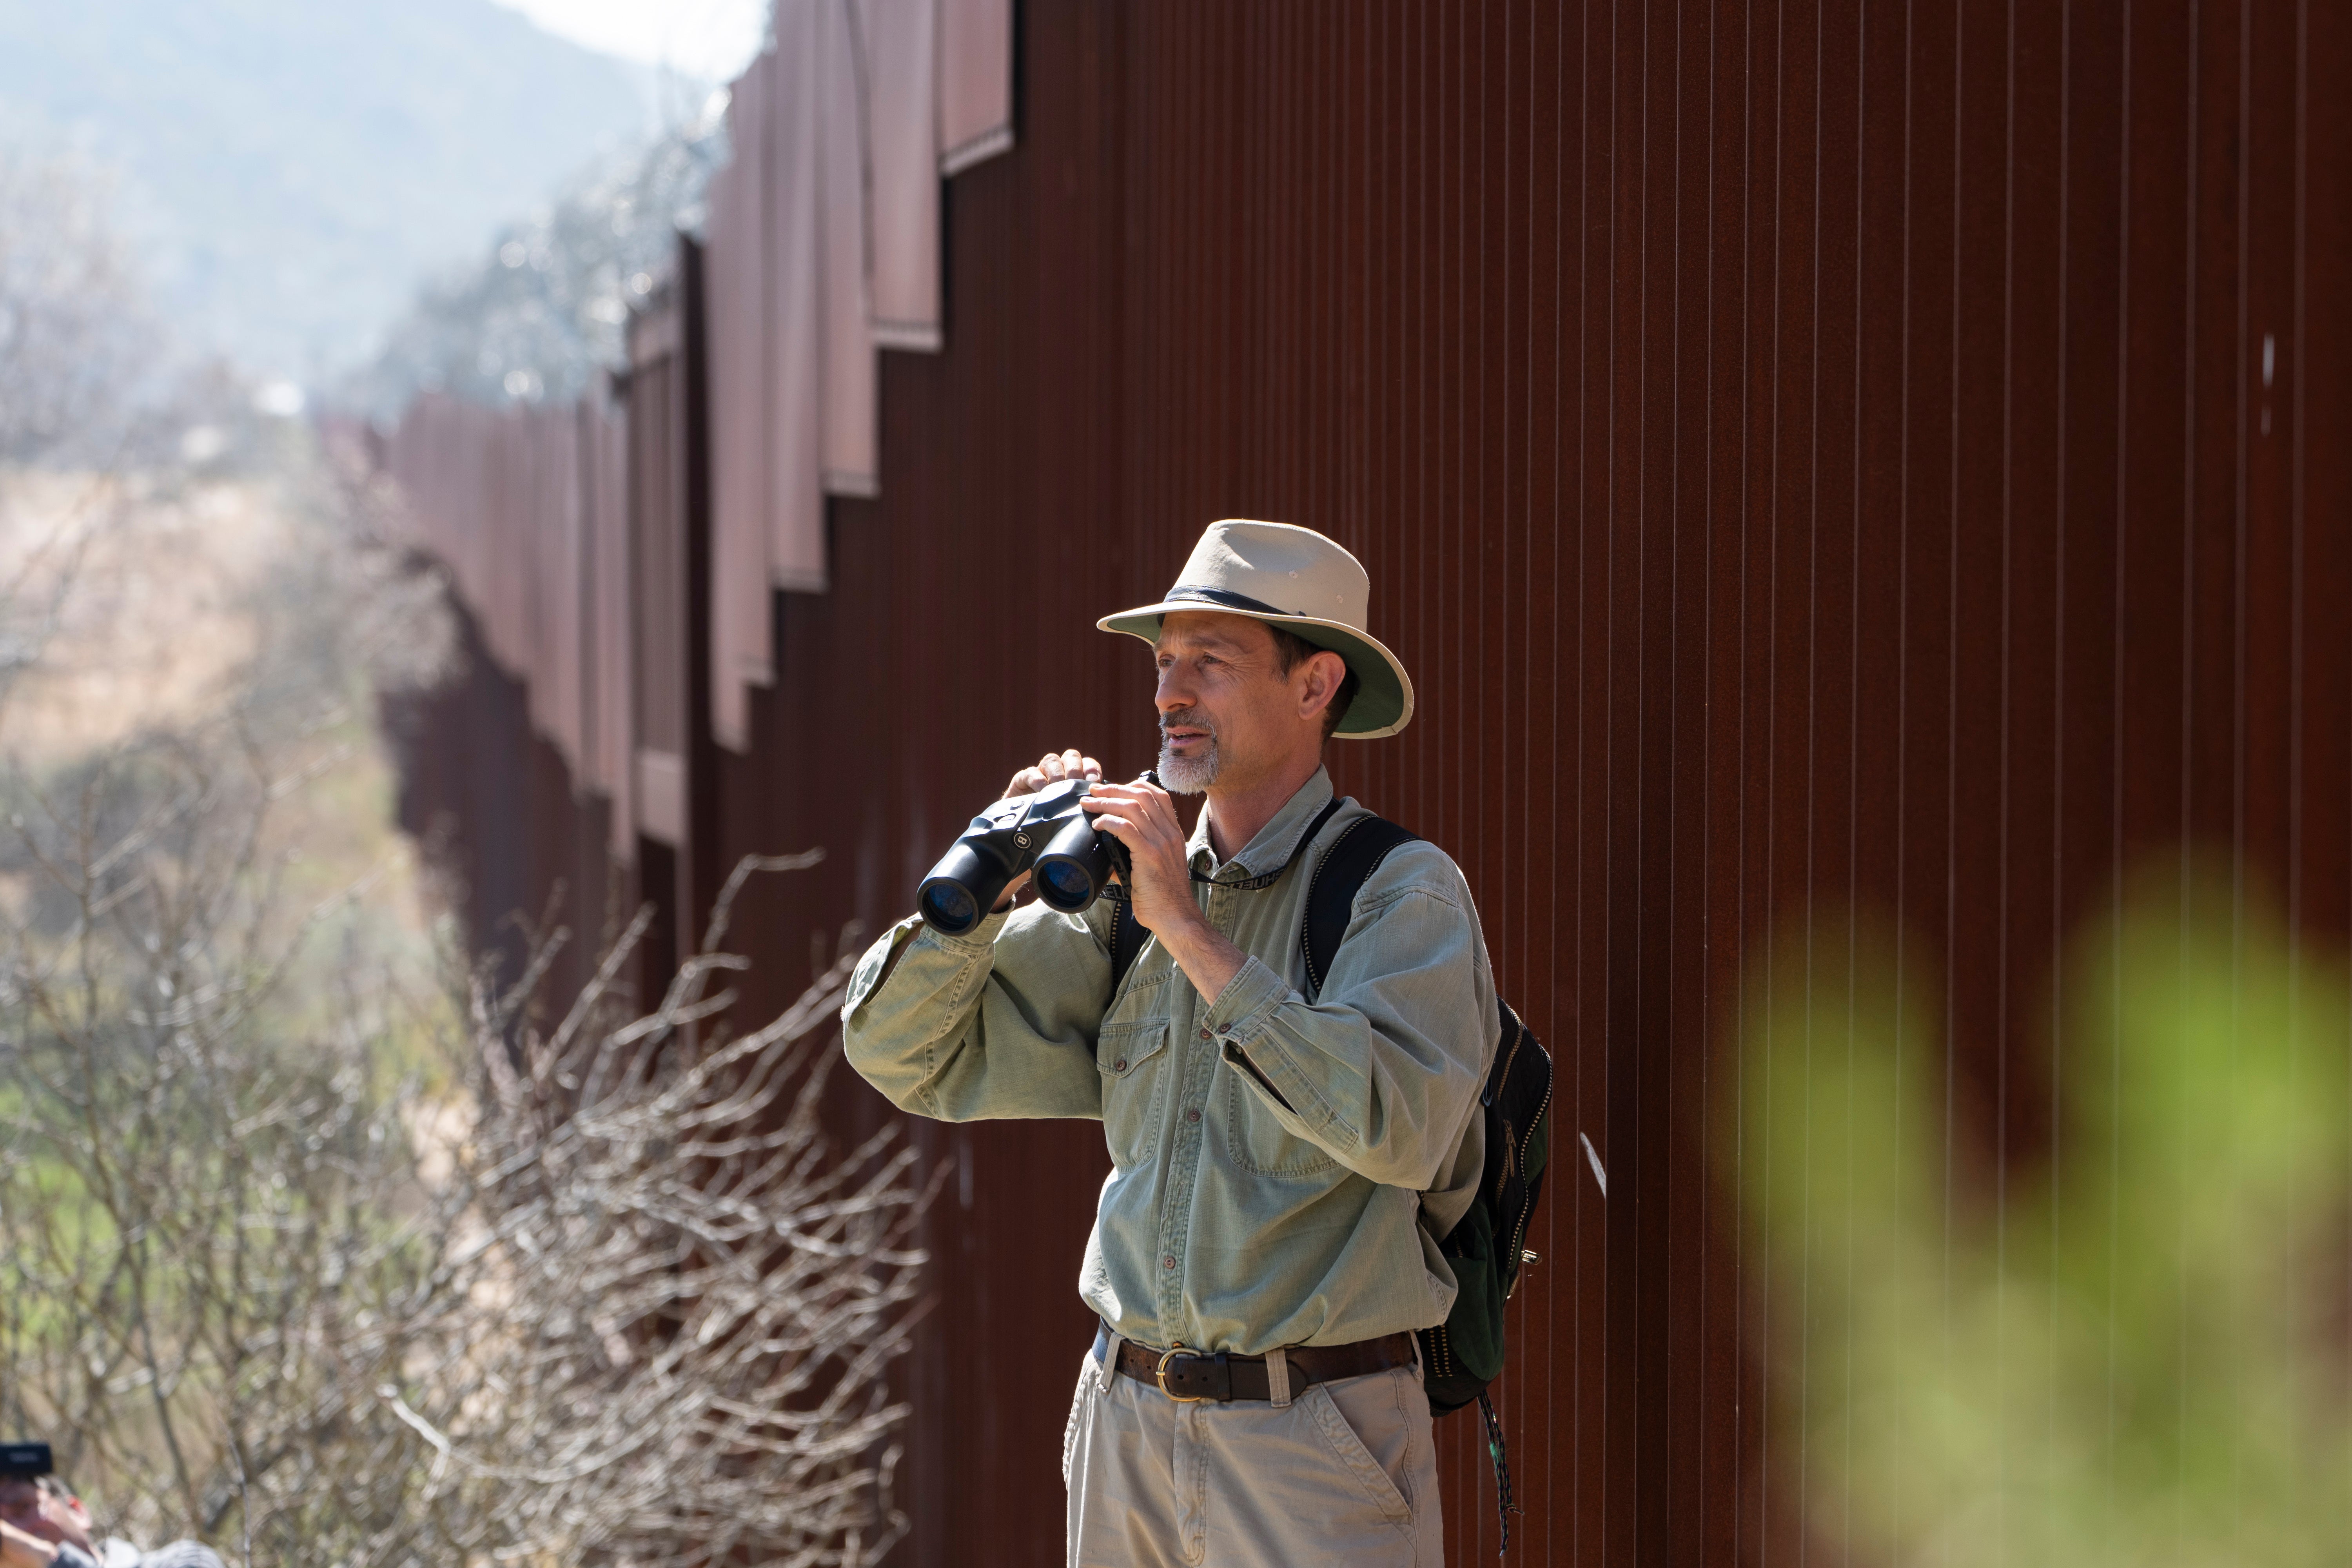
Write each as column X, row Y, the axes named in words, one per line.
column 999, row 1022
column 1382, row 1069
column 1242, row 1008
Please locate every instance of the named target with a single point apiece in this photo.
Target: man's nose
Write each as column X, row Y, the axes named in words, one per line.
column 1175, row 690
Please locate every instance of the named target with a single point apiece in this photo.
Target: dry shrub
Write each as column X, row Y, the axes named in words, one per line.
column 316, row 1257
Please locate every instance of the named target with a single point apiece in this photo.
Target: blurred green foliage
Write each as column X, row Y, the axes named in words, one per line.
column 2124, row 1343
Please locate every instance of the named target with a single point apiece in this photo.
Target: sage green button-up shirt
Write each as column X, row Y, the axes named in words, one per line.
column 1279, row 1168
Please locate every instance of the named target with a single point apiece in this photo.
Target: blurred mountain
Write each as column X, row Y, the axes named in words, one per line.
column 290, row 171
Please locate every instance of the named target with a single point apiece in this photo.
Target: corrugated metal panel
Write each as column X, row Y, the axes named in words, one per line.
column 751, row 462
column 900, row 44
column 656, row 418
column 976, row 50
column 608, row 654
column 1810, row 455
column 823, row 239
column 493, row 802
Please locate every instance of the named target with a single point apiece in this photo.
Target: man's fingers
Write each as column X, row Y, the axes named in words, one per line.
column 1136, row 811
column 1130, row 831
column 1054, row 767
column 1124, row 811
column 1073, row 763
column 1120, row 829
column 1143, row 795
column 1138, row 791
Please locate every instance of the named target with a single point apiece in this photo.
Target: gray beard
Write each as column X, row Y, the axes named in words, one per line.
column 1188, row 775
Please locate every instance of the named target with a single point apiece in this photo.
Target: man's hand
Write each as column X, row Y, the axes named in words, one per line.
column 1142, row 816
column 20, row 1549
column 1050, row 769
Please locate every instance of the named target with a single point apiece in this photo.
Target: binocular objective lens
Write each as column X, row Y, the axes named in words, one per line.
column 1065, row 884
column 950, row 907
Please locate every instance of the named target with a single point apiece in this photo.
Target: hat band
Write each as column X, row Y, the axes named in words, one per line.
column 1229, row 599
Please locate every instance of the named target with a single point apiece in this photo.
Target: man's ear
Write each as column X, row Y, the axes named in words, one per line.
column 1324, row 671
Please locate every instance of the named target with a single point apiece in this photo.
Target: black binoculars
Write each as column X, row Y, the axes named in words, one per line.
column 1048, row 833
column 26, row 1461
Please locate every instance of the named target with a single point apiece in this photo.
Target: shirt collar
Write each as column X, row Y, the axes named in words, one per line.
column 1277, row 843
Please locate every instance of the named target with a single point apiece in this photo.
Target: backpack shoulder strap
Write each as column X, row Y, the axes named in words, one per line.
column 1127, row 934
column 1345, row 868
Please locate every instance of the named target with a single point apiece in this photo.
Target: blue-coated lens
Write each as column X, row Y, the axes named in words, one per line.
column 950, row 907
column 1064, row 884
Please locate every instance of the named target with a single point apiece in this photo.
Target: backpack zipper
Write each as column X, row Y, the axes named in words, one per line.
column 1501, row 1079
column 1505, row 1075
column 1519, row 1235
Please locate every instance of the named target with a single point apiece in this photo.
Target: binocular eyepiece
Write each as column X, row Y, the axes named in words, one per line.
column 1047, row 833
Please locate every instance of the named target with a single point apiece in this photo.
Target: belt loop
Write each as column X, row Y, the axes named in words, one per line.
column 1278, row 1377
column 1110, row 1360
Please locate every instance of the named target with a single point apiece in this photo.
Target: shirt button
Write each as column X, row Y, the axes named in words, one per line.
column 1168, row 1261
column 1205, row 1034
column 1120, row 1066
column 1192, row 1116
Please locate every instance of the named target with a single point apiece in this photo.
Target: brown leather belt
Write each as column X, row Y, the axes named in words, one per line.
column 1187, row 1375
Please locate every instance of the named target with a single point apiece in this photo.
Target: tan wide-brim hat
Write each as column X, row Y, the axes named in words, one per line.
column 1296, row 579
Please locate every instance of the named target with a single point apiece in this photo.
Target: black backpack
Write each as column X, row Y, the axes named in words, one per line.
column 1487, row 1246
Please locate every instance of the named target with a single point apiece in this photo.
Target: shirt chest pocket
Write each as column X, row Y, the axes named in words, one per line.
column 1133, row 1059
column 1258, row 1142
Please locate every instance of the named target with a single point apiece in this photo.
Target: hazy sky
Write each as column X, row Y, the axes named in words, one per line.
column 712, row 39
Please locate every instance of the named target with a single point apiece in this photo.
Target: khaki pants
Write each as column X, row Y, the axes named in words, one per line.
column 1346, row 1473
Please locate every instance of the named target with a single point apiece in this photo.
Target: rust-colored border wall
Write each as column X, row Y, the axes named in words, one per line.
column 1808, row 453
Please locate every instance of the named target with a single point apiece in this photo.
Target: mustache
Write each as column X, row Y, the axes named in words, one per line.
column 1190, row 719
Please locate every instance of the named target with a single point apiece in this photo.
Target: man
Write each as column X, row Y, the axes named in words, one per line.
column 44, row 1525
column 1263, row 1249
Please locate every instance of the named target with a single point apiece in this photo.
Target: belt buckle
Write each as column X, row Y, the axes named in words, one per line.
column 1160, row 1374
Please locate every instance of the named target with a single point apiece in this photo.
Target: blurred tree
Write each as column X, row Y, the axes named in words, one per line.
column 291, row 169
column 74, row 333
column 310, row 1246
column 307, row 1255
column 545, row 311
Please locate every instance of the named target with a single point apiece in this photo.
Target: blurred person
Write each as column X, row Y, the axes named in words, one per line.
column 1264, row 1249
column 44, row 1525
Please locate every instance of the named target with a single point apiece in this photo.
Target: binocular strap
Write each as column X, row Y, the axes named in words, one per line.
column 1129, row 934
